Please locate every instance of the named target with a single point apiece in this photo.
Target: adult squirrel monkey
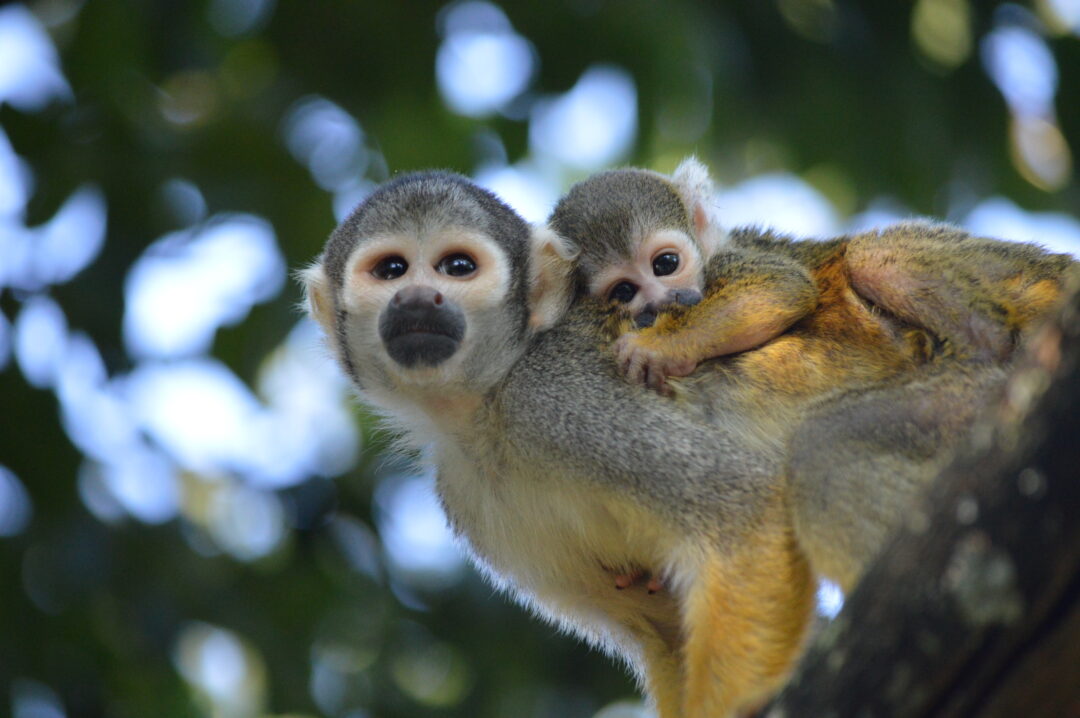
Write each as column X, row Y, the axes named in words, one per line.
column 444, row 309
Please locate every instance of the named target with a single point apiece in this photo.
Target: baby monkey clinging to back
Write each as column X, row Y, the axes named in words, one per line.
column 650, row 245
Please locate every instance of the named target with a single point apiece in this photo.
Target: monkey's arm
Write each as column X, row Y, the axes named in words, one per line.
column 750, row 298
column 977, row 296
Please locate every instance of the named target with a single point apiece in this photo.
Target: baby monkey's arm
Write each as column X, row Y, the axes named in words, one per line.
column 750, row 297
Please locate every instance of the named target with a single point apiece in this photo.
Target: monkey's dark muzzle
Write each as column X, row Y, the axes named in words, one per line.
column 675, row 298
column 421, row 328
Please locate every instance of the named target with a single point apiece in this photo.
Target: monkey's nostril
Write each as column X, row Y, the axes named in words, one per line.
column 438, row 299
column 645, row 319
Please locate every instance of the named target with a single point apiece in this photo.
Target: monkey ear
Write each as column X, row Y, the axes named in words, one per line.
column 695, row 186
column 551, row 272
column 317, row 296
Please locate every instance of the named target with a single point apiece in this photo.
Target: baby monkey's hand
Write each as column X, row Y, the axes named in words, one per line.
column 642, row 362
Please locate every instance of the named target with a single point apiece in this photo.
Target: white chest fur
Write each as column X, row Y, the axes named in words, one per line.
column 554, row 541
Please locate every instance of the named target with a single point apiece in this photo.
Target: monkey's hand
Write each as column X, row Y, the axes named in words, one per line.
column 643, row 362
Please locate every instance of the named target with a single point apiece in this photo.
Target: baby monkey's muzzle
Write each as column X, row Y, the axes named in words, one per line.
column 675, row 298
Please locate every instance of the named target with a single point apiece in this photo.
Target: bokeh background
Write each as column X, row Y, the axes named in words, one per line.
column 195, row 520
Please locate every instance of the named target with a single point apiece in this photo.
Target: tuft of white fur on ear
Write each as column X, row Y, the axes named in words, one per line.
column 695, row 186
column 692, row 179
column 317, row 298
column 551, row 271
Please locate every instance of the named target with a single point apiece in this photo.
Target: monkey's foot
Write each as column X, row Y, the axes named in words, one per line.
column 642, row 364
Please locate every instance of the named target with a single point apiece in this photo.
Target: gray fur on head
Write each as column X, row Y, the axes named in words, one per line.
column 593, row 214
column 416, row 207
column 413, row 203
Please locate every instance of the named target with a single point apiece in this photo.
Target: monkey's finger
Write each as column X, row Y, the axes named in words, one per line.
column 637, row 370
column 625, row 351
column 655, row 379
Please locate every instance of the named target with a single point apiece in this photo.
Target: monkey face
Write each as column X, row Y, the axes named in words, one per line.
column 424, row 289
column 420, row 298
column 664, row 269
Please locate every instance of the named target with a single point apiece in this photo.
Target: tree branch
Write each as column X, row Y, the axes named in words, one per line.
column 974, row 608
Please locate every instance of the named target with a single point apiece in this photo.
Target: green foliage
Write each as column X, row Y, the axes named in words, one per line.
column 842, row 94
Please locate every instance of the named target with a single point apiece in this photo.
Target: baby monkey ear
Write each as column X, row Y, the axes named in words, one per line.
column 695, row 186
column 317, row 298
column 551, row 276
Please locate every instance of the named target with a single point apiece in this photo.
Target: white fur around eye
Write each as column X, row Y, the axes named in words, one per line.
column 675, row 241
column 364, row 294
column 487, row 286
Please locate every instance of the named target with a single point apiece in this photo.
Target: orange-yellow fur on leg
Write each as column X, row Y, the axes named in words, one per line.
column 976, row 295
column 747, row 615
column 663, row 681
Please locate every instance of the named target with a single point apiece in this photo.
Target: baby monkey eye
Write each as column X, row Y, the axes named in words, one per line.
column 665, row 264
column 390, row 267
column 623, row 292
column 457, row 265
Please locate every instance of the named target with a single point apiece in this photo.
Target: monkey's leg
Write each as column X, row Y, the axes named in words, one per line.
column 745, row 620
column 664, row 679
column 654, row 622
column 858, row 461
column 975, row 294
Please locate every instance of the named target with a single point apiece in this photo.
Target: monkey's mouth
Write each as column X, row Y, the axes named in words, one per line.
column 422, row 344
column 422, row 332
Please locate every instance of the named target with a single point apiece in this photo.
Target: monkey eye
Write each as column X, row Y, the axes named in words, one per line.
column 390, row 267
column 456, row 265
column 623, row 292
column 665, row 264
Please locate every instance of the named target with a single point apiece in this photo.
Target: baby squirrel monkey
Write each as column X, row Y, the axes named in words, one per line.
column 649, row 245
